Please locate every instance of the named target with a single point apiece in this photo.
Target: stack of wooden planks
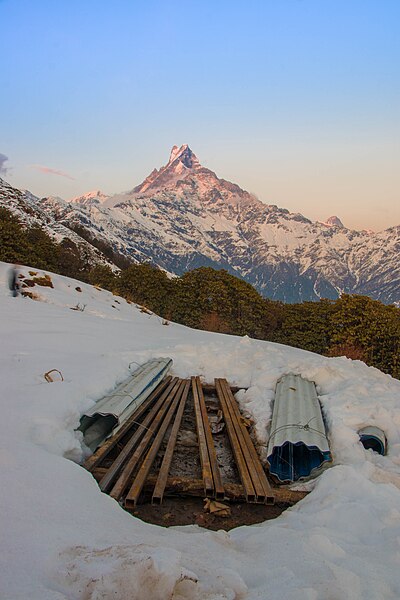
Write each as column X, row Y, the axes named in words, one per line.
column 124, row 464
column 252, row 475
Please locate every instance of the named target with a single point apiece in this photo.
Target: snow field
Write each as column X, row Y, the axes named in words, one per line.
column 62, row 539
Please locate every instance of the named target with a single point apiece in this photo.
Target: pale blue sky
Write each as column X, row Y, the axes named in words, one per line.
column 297, row 101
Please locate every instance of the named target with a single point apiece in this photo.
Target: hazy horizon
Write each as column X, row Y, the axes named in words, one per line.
column 296, row 101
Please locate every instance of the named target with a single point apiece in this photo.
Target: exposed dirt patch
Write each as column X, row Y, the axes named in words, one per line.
column 189, row 511
column 44, row 281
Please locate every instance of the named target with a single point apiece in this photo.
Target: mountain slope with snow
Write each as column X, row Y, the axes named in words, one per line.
column 333, row 222
column 31, row 211
column 94, row 197
column 183, row 216
column 62, row 539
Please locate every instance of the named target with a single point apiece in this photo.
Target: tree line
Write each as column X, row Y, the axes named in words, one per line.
column 354, row 326
column 214, row 300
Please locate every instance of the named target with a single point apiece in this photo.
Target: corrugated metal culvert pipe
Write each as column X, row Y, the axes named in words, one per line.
column 298, row 446
column 111, row 412
column 373, row 438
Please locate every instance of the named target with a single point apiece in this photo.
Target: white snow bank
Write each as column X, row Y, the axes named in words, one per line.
column 61, row 538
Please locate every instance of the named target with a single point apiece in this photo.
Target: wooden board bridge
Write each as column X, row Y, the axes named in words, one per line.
column 142, row 460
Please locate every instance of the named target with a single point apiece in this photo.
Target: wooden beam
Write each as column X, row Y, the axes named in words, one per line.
column 133, row 495
column 201, row 436
column 183, row 486
column 258, row 489
column 241, row 463
column 255, row 470
column 113, row 472
column 212, row 457
column 259, row 478
column 123, row 479
column 166, row 463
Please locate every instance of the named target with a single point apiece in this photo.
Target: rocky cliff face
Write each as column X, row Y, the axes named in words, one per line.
column 183, row 216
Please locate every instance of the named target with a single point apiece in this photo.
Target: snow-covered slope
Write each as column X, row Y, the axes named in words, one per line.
column 333, row 222
column 183, row 216
column 63, row 539
column 94, row 197
column 31, row 211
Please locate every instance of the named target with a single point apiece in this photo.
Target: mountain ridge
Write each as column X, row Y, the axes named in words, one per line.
column 183, row 216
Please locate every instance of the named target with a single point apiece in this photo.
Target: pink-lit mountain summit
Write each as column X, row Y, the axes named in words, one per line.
column 181, row 161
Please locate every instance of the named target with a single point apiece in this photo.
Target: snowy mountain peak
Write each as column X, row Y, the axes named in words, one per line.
column 181, row 162
column 334, row 222
column 176, row 152
column 184, row 155
column 93, row 197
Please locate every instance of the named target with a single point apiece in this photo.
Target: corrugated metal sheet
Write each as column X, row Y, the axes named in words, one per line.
column 298, row 444
column 110, row 413
column 374, row 438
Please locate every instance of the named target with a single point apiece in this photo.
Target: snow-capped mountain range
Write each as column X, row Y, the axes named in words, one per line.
column 183, row 216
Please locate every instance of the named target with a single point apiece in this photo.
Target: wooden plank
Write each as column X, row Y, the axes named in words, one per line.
column 269, row 493
column 183, row 486
column 96, row 459
column 98, row 473
column 169, row 451
column 255, row 467
column 123, row 479
column 201, row 435
column 239, row 427
column 236, row 447
column 113, row 472
column 133, row 495
column 216, row 474
column 234, row 492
